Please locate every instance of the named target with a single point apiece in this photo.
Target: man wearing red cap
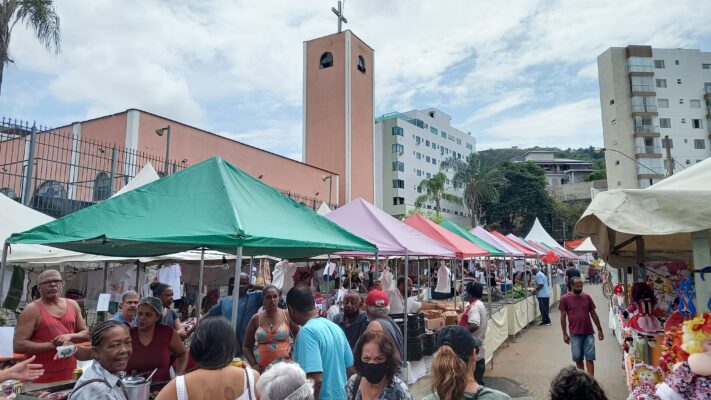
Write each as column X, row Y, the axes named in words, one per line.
column 378, row 308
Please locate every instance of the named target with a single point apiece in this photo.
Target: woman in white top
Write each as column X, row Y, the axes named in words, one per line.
column 213, row 347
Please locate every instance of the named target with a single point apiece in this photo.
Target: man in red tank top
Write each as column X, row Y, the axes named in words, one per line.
column 47, row 323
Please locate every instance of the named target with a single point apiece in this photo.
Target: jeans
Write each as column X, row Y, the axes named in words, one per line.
column 543, row 305
column 582, row 347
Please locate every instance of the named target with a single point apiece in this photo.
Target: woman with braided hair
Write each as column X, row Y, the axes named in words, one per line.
column 110, row 348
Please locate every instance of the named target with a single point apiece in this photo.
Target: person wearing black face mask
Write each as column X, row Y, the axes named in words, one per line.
column 376, row 363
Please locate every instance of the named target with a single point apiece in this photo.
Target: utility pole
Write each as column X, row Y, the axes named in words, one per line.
column 670, row 161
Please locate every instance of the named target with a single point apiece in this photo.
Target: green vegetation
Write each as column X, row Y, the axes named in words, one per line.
column 435, row 192
column 429, row 214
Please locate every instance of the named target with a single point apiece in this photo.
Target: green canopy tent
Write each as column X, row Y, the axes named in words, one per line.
column 213, row 205
column 454, row 228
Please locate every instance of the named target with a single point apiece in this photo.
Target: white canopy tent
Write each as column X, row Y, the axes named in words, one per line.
column 540, row 235
column 667, row 221
column 323, row 209
column 147, row 175
column 586, row 246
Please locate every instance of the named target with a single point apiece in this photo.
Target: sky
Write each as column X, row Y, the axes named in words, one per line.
column 514, row 73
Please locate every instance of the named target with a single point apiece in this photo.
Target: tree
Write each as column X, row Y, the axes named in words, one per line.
column 479, row 184
column 523, row 198
column 566, row 214
column 435, row 192
column 436, row 218
column 38, row 15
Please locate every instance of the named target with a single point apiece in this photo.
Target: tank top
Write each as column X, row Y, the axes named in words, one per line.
column 247, row 388
column 274, row 346
column 48, row 328
column 155, row 355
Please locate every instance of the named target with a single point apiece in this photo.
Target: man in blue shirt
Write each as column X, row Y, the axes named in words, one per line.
column 128, row 307
column 248, row 304
column 543, row 291
column 321, row 347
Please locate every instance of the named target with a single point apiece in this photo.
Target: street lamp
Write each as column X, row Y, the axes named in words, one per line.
column 330, row 185
column 160, row 132
column 599, row 149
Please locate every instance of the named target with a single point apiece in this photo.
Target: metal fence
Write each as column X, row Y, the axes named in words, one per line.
column 56, row 172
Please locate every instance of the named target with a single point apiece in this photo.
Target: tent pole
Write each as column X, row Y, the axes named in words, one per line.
column 419, row 285
column 251, row 273
column 404, row 330
column 488, row 283
column 702, row 257
column 138, row 275
column 376, row 273
column 106, row 285
column 198, row 300
column 3, row 263
column 235, row 290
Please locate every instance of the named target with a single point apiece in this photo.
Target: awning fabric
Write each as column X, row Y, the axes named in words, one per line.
column 523, row 249
column 663, row 215
column 462, row 247
column 391, row 236
column 525, row 244
column 508, row 249
column 212, row 204
column 452, row 227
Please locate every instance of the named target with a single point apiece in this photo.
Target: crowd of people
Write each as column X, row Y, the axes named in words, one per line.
column 289, row 352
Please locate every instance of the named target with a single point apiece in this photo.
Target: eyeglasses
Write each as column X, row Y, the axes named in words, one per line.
column 52, row 283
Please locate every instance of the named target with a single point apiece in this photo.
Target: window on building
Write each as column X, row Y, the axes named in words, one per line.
column 696, row 123
column 427, row 158
column 398, row 184
column 668, row 143
column 665, row 122
column 678, row 81
column 418, row 188
column 705, row 66
column 51, row 189
column 432, row 114
column 398, row 166
column 397, row 130
column 9, row 193
column 612, row 101
column 398, row 148
column 459, row 141
column 433, row 130
column 434, row 161
column 417, row 140
column 661, row 83
column 469, row 146
column 398, row 201
column 418, row 156
column 434, row 145
column 659, row 64
column 427, row 143
column 418, row 172
column 681, row 101
column 459, row 156
column 676, row 62
column 663, row 103
column 428, row 175
column 699, row 144
column 361, row 64
column 326, row 60
column 688, row 162
column 695, row 103
column 102, row 186
column 443, row 134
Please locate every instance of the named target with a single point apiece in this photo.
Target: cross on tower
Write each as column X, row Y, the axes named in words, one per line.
column 339, row 14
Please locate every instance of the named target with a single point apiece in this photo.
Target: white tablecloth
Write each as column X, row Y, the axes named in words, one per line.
column 418, row 369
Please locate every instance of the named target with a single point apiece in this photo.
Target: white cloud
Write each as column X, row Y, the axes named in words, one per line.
column 175, row 58
column 565, row 125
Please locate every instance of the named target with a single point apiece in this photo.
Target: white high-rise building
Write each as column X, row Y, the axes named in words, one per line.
column 412, row 145
column 647, row 94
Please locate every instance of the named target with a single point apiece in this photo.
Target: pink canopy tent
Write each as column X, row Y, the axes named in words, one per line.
column 527, row 253
column 391, row 236
column 509, row 250
column 462, row 247
column 522, row 242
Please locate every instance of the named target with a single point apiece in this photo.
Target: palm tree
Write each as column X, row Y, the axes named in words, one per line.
column 435, row 192
column 480, row 185
column 38, row 15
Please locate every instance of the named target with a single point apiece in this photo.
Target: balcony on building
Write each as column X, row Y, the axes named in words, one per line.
column 648, row 151
column 646, row 131
column 644, row 110
column 707, row 91
column 640, row 70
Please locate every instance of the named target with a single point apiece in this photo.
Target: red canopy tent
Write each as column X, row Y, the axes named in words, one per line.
column 527, row 252
column 572, row 244
column 462, row 247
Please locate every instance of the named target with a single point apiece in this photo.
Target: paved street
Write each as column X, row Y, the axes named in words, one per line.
column 525, row 366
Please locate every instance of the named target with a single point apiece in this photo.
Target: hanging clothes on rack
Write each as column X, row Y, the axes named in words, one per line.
column 444, row 282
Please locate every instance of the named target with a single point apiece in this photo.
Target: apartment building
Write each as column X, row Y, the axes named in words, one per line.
column 409, row 148
column 647, row 95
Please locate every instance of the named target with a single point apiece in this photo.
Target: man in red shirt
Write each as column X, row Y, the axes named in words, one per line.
column 578, row 308
column 47, row 323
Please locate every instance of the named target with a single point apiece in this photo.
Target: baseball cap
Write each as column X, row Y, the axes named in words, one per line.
column 153, row 302
column 460, row 340
column 377, row 298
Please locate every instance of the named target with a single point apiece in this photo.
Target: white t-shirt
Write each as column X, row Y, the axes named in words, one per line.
column 477, row 315
column 481, row 277
column 397, row 303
